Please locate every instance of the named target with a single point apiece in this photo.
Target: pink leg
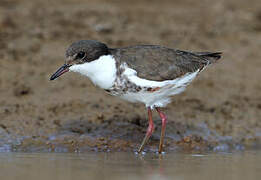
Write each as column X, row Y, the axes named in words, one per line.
column 149, row 131
column 163, row 127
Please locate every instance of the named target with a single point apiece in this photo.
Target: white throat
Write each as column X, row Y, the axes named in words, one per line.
column 102, row 71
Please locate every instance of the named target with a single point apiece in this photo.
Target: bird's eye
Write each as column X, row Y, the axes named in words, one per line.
column 80, row 55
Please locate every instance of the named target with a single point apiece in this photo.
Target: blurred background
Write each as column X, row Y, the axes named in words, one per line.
column 220, row 110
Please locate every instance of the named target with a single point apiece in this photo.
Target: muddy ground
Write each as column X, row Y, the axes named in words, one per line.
column 221, row 110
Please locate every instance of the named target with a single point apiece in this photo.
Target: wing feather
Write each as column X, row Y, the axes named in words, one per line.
column 159, row 63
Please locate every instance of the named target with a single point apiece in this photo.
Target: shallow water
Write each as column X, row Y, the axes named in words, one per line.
column 32, row 166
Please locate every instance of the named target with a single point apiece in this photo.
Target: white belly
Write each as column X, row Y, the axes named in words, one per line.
column 152, row 99
column 161, row 97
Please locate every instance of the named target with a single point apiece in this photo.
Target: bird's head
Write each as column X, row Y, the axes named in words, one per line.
column 81, row 52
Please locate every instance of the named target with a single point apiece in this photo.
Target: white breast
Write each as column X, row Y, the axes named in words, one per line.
column 102, row 71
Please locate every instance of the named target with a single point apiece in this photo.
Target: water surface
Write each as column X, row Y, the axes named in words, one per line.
column 63, row 166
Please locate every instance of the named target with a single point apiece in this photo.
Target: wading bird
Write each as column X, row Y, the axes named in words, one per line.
column 148, row 74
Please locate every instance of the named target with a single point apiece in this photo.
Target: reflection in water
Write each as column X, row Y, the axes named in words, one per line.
column 232, row 166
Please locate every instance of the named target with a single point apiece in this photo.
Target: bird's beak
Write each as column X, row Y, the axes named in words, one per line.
column 60, row 71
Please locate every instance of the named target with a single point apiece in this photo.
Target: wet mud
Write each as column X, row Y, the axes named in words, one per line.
column 219, row 111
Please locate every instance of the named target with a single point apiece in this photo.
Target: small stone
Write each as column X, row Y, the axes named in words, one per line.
column 187, row 139
column 104, row 28
column 22, row 90
column 57, row 122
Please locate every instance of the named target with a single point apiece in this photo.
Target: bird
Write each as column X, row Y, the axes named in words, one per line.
column 148, row 74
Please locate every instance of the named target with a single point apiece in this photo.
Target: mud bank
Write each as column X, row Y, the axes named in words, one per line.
column 221, row 110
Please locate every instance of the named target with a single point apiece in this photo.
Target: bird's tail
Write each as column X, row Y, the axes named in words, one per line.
column 211, row 57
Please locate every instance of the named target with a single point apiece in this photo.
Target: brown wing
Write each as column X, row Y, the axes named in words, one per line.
column 160, row 63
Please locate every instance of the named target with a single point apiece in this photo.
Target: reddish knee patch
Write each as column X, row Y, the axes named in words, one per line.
column 150, row 129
